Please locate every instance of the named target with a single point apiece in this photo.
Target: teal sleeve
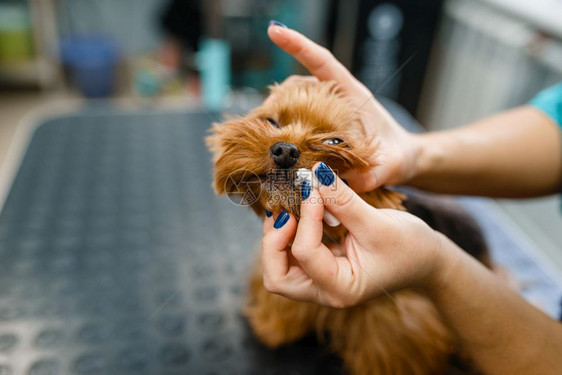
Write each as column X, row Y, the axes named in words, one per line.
column 549, row 101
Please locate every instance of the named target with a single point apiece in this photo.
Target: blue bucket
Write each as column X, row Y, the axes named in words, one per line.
column 92, row 60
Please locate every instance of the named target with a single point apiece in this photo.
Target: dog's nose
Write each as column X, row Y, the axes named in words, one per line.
column 285, row 155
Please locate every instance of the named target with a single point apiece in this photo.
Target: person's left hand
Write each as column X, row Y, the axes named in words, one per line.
column 397, row 158
column 385, row 249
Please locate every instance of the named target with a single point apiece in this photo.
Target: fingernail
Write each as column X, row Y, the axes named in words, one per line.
column 281, row 219
column 277, row 23
column 324, row 174
column 268, row 213
column 305, row 190
column 345, row 181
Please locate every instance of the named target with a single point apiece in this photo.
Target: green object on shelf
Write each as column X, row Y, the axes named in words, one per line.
column 146, row 83
column 15, row 34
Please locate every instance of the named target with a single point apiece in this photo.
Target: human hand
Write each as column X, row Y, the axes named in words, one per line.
column 395, row 160
column 385, row 250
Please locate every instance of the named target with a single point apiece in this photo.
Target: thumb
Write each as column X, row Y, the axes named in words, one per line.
column 348, row 207
column 364, row 180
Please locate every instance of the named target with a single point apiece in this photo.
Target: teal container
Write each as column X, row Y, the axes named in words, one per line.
column 213, row 61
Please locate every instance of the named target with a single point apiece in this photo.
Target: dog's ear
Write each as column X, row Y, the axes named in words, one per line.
column 215, row 144
column 214, row 141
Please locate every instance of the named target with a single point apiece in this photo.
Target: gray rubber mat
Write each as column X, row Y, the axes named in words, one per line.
column 117, row 258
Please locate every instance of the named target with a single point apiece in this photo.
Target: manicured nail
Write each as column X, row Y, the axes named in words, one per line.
column 277, row 23
column 281, row 219
column 305, row 190
column 324, row 174
column 268, row 213
column 345, row 181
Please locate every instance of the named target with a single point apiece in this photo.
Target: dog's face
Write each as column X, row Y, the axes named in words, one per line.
column 256, row 157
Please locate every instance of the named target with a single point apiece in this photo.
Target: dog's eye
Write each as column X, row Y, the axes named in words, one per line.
column 272, row 122
column 333, row 141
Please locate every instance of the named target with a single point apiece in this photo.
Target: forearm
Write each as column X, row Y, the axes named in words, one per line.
column 501, row 332
column 516, row 153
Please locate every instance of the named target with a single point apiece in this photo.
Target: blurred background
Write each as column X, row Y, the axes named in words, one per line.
column 109, row 245
column 447, row 62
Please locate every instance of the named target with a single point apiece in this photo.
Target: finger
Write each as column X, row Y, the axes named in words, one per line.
column 295, row 78
column 310, row 230
column 315, row 259
column 352, row 211
column 275, row 244
column 268, row 222
column 364, row 180
column 317, row 59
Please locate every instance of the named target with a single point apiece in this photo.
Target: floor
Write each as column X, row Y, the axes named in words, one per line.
column 540, row 219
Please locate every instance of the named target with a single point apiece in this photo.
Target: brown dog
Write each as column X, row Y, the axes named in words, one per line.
column 258, row 156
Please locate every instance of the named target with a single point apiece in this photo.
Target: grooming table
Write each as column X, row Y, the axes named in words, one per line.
column 117, row 258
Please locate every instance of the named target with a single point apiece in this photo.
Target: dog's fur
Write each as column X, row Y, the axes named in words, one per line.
column 403, row 335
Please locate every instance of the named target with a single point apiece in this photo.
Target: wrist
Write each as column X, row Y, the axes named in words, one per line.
column 429, row 153
column 446, row 263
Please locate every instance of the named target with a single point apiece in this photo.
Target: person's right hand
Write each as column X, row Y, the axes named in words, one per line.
column 397, row 150
column 384, row 251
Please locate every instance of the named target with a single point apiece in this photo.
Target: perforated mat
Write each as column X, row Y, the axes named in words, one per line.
column 117, row 258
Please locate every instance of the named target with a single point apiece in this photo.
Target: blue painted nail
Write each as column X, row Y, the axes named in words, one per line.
column 268, row 213
column 324, row 174
column 345, row 181
column 305, row 190
column 277, row 23
column 281, row 219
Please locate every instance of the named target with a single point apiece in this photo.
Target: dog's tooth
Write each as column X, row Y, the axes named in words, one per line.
column 331, row 219
column 302, row 175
